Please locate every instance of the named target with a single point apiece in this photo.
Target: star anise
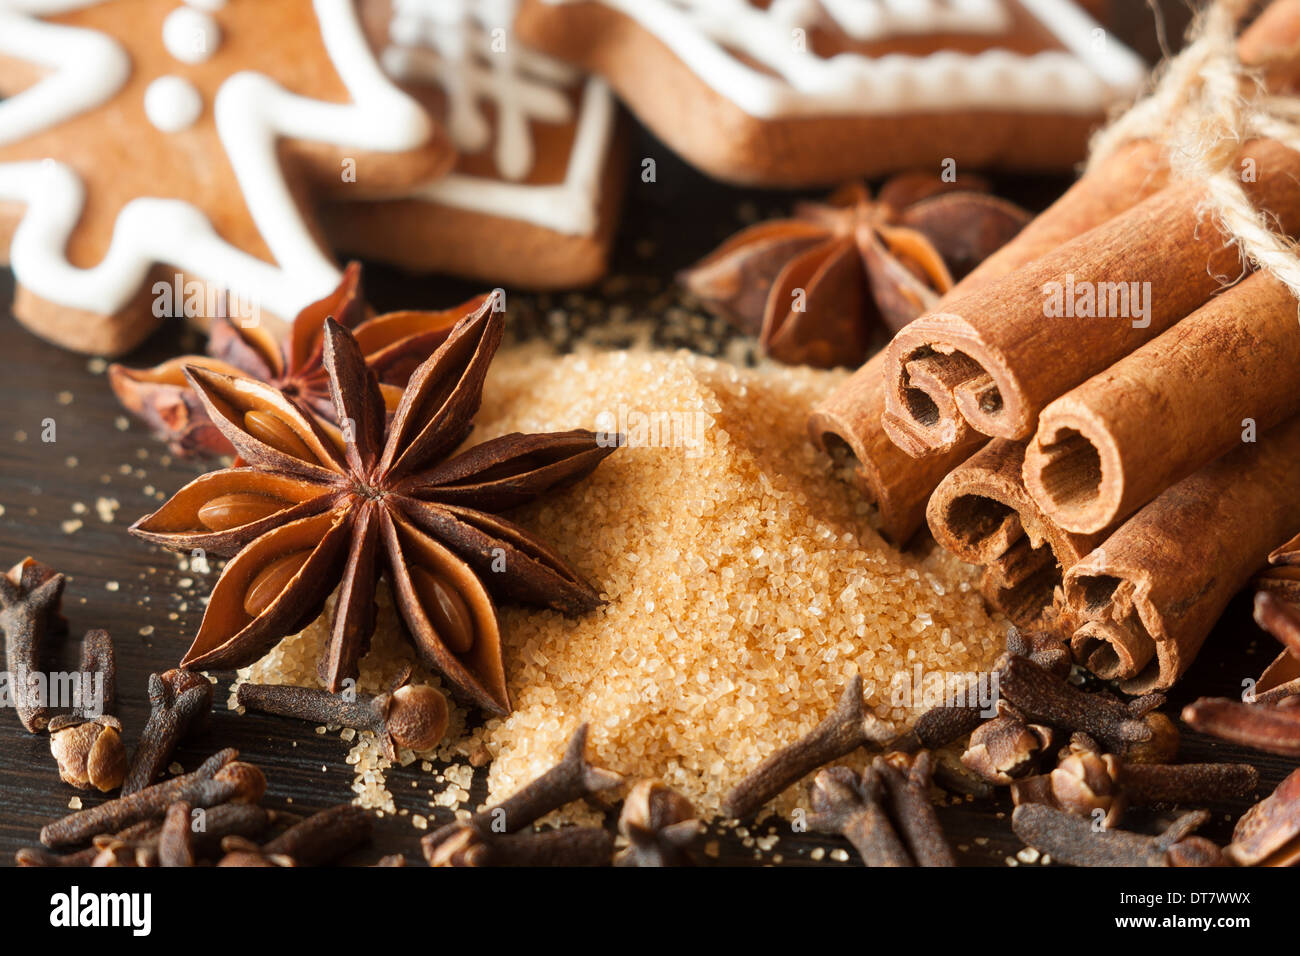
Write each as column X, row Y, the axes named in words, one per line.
column 393, row 343
column 308, row 515
column 1283, row 575
column 1281, row 619
column 814, row 286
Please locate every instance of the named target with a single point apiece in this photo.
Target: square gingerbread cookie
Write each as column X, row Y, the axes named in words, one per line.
column 798, row 92
column 533, row 198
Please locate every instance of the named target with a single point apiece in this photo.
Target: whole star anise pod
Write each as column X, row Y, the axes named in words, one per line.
column 813, row 287
column 393, row 343
column 308, row 515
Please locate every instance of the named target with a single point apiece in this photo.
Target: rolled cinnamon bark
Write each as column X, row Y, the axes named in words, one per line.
column 1009, row 347
column 900, row 483
column 982, row 513
column 1109, row 446
column 896, row 483
column 1146, row 599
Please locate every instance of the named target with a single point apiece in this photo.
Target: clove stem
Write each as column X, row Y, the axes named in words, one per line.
column 30, row 595
column 179, row 701
column 912, row 811
column 1046, row 699
column 1074, row 840
column 219, row 779
column 845, row 729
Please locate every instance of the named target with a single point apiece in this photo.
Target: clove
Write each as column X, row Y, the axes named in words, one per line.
column 30, row 595
column 940, row 726
column 907, row 782
column 1088, row 783
column 39, row 856
column 853, row 807
column 1006, row 747
column 175, row 842
column 87, row 742
column 1046, row 699
column 845, row 729
column 321, row 838
column 659, row 825
column 220, row 779
column 180, row 702
column 90, row 753
column 567, row 846
column 1274, row 728
column 1076, row 841
column 573, row 778
column 413, row 716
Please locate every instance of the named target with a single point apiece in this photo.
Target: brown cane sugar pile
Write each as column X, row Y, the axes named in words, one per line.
column 744, row 583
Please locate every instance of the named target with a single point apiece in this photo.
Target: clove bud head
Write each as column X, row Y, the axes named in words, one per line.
column 1085, row 782
column 1005, row 748
column 250, row 781
column 1162, row 747
column 417, row 717
column 660, row 826
column 90, row 753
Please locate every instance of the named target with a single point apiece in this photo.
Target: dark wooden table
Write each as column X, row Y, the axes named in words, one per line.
column 117, row 582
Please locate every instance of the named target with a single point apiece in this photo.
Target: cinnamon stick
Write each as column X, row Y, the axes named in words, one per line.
column 900, row 483
column 1010, row 347
column 1106, row 448
column 981, row 513
column 1146, row 599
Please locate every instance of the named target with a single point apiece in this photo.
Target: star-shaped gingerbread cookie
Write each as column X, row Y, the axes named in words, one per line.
column 160, row 157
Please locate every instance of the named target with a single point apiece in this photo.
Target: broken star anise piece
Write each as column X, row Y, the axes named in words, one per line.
column 1279, row 615
column 813, row 286
column 1283, row 575
column 393, row 344
column 305, row 516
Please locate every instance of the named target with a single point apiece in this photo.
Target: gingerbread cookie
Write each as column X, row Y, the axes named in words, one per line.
column 159, row 157
column 800, row 92
column 534, row 195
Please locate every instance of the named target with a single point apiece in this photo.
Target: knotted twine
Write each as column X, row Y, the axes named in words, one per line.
column 1204, row 105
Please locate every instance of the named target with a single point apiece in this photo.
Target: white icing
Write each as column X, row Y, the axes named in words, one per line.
column 190, row 35
column 706, row 34
column 570, row 207
column 88, row 68
column 449, row 43
column 465, row 48
column 251, row 112
column 172, row 103
column 212, row 6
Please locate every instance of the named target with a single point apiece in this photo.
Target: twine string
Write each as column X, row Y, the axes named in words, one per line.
column 1204, row 105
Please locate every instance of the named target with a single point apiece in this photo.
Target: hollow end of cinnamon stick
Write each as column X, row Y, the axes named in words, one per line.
column 1073, row 471
column 981, row 513
column 1111, row 631
column 848, row 424
column 920, row 414
column 943, row 382
column 895, row 524
column 1110, row 652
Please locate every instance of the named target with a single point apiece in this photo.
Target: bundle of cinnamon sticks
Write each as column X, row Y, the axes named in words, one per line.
column 1105, row 414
